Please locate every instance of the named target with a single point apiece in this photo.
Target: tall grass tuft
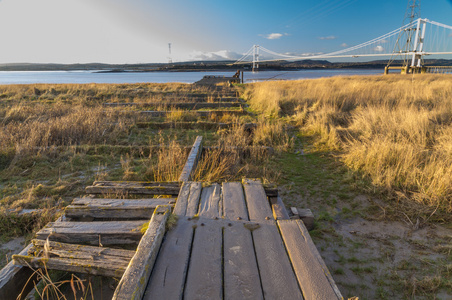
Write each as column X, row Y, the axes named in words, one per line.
column 395, row 129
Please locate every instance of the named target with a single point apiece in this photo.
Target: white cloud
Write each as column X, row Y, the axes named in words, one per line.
column 273, row 36
column 344, row 45
column 331, row 37
column 379, row 48
column 217, row 55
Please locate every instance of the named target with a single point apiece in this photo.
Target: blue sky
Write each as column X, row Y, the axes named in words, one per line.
column 138, row 31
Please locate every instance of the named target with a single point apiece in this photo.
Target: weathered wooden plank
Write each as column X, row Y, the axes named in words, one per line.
column 209, row 207
column 133, row 190
column 109, row 268
column 193, row 199
column 279, row 209
column 134, row 281
column 83, row 250
column 193, row 125
column 256, row 199
column 277, row 276
column 182, row 199
column 241, row 275
column 94, row 233
column 13, row 279
column 192, row 160
column 316, row 253
column 204, row 277
column 178, row 105
column 114, row 208
column 234, row 206
column 309, row 272
column 167, row 280
column 201, row 113
column 169, row 184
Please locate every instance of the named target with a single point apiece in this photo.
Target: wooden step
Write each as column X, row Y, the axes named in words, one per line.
column 101, row 208
column 76, row 258
column 179, row 105
column 93, row 233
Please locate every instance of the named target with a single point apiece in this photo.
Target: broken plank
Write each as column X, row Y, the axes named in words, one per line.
column 310, row 274
column 114, row 208
column 167, row 280
column 256, row 199
column 134, row 281
column 110, row 268
column 93, row 233
column 277, row 276
column 209, row 207
column 192, row 160
column 204, row 277
column 13, row 279
column 91, row 251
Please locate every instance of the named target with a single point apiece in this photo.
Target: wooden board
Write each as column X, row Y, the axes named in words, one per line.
column 277, row 276
column 234, row 205
column 109, row 268
column 241, row 274
column 169, row 184
column 201, row 113
column 135, row 278
column 192, row 160
column 179, row 105
column 167, row 280
column 193, row 199
column 205, row 276
column 93, row 233
column 133, row 190
column 209, row 207
column 256, row 199
column 309, row 272
column 114, row 208
column 182, row 200
column 14, row 277
column 279, row 209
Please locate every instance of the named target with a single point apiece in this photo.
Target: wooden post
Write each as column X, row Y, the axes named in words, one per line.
column 135, row 279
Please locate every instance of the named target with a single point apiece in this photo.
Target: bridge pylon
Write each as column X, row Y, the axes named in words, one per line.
column 255, row 58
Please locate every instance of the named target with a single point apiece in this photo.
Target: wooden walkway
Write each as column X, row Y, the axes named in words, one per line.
column 227, row 244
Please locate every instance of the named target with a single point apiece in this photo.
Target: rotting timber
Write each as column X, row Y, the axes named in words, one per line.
column 231, row 240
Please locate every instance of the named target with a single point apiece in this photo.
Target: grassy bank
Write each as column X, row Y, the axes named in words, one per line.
column 395, row 130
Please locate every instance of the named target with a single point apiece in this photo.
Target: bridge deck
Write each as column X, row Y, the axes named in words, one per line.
column 227, row 244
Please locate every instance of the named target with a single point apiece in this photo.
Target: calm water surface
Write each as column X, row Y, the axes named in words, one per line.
column 28, row 77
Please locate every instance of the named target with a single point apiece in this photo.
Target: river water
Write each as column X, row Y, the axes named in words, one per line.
column 29, row 77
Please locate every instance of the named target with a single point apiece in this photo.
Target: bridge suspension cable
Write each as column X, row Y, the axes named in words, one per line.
column 436, row 42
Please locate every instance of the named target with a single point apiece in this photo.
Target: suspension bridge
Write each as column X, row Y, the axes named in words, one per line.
column 410, row 44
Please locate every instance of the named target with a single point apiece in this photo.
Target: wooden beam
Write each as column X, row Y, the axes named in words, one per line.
column 200, row 113
column 192, row 160
column 311, row 274
column 134, row 189
column 93, row 233
column 114, row 208
column 13, row 279
column 134, row 281
column 279, row 209
column 179, row 105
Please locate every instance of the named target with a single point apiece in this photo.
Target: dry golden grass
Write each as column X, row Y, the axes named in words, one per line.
column 395, row 129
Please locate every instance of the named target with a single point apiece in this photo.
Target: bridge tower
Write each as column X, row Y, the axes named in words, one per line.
column 255, row 58
column 410, row 42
